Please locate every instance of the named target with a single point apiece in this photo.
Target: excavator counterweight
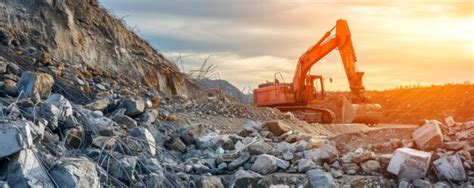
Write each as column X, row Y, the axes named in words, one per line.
column 304, row 95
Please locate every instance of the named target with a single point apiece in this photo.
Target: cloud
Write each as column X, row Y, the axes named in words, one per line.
column 396, row 43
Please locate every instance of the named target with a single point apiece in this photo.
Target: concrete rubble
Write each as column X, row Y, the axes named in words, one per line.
column 131, row 119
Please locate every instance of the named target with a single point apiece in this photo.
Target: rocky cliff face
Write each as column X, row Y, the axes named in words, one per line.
column 82, row 37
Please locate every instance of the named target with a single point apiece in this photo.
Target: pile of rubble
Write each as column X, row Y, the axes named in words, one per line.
column 49, row 141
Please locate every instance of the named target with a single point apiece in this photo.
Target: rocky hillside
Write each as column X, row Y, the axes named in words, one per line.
column 78, row 41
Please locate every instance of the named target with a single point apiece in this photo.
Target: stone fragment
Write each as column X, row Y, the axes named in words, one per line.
column 318, row 178
column 61, row 103
column 35, row 85
column 210, row 182
column 178, row 145
column 361, row 155
column 428, row 136
column 14, row 137
column 449, row 121
column 172, row 117
column 239, row 161
column 315, row 143
column 224, row 142
column 75, row 172
column 125, row 120
column 450, row 168
column 259, row 147
column 288, row 156
column 99, row 105
column 123, row 168
column 245, row 179
column 25, row 170
column 305, row 165
column 149, row 116
column 326, row 153
column 3, row 66
column 264, row 164
column 454, row 145
column 14, row 68
column 409, row 163
column 145, row 138
column 350, row 168
column 371, row 166
column 277, row 128
column 133, row 107
column 441, row 185
column 105, row 142
column 419, row 183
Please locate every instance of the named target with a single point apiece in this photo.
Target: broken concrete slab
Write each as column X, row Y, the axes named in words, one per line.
column 224, row 142
column 75, row 172
column 145, row 138
column 305, row 165
column 449, row 121
column 429, row 136
column 244, row 157
column 25, row 170
column 149, row 116
column 264, row 164
column 178, row 145
column 409, row 163
column 14, row 136
column 35, row 85
column 61, row 103
column 277, row 128
column 318, row 178
column 450, row 168
column 133, row 107
column 259, row 147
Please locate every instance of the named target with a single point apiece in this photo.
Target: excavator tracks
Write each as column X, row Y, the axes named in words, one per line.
column 310, row 114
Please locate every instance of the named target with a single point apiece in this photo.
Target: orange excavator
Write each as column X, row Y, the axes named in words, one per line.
column 304, row 96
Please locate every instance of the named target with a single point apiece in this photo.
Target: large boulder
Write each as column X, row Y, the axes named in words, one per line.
column 409, row 163
column 245, row 179
column 35, row 85
column 75, row 172
column 264, row 164
column 133, row 107
column 14, row 137
column 429, row 136
column 25, row 170
column 318, row 178
column 450, row 168
column 145, row 138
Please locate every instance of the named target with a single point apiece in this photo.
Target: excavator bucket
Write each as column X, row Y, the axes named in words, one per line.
column 369, row 114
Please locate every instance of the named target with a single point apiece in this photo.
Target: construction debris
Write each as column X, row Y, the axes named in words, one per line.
column 429, row 136
column 409, row 163
column 35, row 85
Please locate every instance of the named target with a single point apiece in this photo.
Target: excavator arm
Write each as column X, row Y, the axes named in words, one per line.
column 342, row 41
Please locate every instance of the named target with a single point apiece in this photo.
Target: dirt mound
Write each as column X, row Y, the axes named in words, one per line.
column 82, row 37
column 436, row 102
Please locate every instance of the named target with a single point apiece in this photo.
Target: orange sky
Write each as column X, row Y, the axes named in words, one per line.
column 397, row 43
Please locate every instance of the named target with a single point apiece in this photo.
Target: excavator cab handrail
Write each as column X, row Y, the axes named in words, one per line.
column 281, row 76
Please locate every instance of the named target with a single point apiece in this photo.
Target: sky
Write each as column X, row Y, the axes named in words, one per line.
column 248, row 41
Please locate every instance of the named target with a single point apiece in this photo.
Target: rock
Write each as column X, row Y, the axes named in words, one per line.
column 264, row 164
column 13, row 68
column 419, row 183
column 145, row 138
column 428, row 136
column 404, row 184
column 281, row 163
column 277, row 128
column 178, row 145
column 454, row 145
column 371, row 166
column 409, row 163
column 246, row 179
column 4, row 184
column 105, row 142
column 449, row 121
column 172, row 117
column 318, row 178
column 3, row 66
column 450, row 168
column 222, row 166
column 25, row 170
column 133, row 107
column 305, row 165
column 239, row 161
column 350, row 168
column 75, row 172
column 210, row 182
column 125, row 120
column 361, row 155
column 14, row 137
column 35, row 85
column 99, row 105
column 441, row 185
column 149, row 116
column 259, row 147
column 62, row 104
column 385, row 158
column 224, row 142
column 123, row 168
column 315, row 143
column 288, row 156
column 327, row 153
